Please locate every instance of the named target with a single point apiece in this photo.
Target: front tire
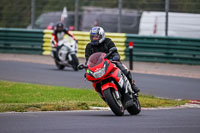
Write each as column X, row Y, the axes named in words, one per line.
column 136, row 107
column 75, row 62
column 60, row 67
column 114, row 103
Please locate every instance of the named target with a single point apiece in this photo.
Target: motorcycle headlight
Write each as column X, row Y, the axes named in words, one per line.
column 100, row 72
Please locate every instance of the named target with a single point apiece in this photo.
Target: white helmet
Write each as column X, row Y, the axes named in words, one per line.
column 97, row 35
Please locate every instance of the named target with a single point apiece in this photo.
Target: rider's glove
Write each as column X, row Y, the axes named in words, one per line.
column 115, row 58
column 53, row 43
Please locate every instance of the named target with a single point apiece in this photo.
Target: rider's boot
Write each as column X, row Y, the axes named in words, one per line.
column 132, row 82
column 135, row 88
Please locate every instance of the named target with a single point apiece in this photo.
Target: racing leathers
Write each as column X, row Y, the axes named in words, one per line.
column 57, row 36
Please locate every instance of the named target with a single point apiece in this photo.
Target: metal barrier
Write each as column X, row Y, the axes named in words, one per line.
column 21, row 41
column 164, row 49
column 146, row 48
column 83, row 39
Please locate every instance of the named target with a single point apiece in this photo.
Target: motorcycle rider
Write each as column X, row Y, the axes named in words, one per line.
column 99, row 43
column 58, row 34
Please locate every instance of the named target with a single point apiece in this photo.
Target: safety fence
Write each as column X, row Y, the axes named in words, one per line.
column 83, row 39
column 146, row 48
column 164, row 49
column 21, row 41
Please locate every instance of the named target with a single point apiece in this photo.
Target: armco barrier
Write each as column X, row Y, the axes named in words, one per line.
column 146, row 48
column 83, row 39
column 164, row 49
column 21, row 41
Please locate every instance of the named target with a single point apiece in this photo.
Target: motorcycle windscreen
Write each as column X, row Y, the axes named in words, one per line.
column 95, row 59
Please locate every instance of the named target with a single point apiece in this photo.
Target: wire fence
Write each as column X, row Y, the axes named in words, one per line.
column 137, row 16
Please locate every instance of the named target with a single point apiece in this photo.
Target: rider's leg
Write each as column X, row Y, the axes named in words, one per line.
column 134, row 87
column 129, row 76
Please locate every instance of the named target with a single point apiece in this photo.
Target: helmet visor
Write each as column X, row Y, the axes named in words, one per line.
column 59, row 29
column 95, row 37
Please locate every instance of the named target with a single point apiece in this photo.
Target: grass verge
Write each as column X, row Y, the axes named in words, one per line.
column 23, row 97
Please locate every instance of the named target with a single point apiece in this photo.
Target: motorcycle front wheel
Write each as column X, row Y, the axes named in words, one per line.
column 60, row 67
column 114, row 103
column 74, row 62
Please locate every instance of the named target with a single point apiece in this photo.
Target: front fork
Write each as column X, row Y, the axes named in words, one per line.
column 54, row 54
column 70, row 55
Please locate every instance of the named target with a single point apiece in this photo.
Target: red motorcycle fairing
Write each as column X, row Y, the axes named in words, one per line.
column 108, row 66
column 115, row 75
column 96, row 63
column 108, row 85
column 111, row 85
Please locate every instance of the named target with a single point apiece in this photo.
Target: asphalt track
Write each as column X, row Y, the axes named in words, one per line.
column 148, row 121
column 157, row 85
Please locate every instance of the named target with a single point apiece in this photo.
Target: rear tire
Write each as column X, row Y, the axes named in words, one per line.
column 136, row 108
column 114, row 104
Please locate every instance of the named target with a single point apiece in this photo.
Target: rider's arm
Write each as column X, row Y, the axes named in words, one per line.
column 87, row 52
column 54, row 42
column 71, row 35
column 115, row 55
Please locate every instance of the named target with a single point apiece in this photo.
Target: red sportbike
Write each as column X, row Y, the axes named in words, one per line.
column 111, row 84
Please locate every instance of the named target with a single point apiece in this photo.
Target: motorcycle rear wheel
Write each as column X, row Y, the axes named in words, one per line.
column 114, row 103
column 135, row 108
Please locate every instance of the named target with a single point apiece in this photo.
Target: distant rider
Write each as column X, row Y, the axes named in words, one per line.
column 101, row 44
column 58, row 34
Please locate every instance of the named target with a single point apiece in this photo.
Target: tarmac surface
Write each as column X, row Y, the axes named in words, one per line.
column 177, row 120
column 148, row 121
column 180, row 70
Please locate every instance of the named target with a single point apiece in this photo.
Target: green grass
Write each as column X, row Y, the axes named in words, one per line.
column 22, row 97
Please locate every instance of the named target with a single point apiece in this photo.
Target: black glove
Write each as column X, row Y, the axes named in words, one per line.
column 80, row 66
column 85, row 75
column 115, row 58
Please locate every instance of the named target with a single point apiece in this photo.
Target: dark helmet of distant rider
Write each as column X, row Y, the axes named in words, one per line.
column 59, row 27
column 97, row 35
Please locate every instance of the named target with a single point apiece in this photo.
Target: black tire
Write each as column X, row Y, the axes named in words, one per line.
column 75, row 62
column 136, row 108
column 114, row 104
column 60, row 67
